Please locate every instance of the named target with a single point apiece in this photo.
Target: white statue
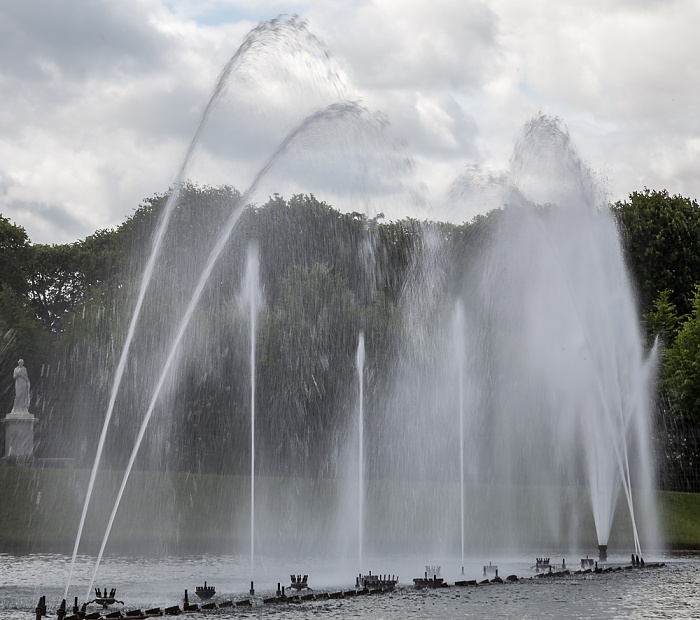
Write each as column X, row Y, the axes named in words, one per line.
column 21, row 388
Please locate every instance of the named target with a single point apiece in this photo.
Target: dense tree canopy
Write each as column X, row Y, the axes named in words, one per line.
column 19, row 328
column 683, row 364
column 15, row 251
column 324, row 276
column 661, row 235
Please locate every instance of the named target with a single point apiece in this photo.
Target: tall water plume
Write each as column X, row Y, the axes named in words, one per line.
column 273, row 34
column 360, row 366
column 459, row 341
column 253, row 296
column 567, row 376
column 552, row 386
column 554, row 421
column 177, row 337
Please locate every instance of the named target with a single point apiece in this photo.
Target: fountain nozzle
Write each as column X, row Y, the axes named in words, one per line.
column 61, row 613
column 603, row 553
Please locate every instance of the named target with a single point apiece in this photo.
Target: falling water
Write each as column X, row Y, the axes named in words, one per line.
column 335, row 115
column 290, row 32
column 360, row 365
column 564, row 362
column 603, row 502
column 252, row 291
column 564, row 371
column 553, row 390
column 459, row 344
column 145, row 281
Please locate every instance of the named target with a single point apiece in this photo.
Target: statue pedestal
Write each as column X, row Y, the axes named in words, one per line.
column 19, row 435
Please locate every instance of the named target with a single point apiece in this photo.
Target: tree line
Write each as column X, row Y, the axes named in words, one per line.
column 324, row 276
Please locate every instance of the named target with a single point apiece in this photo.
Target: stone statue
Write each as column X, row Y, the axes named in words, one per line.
column 21, row 388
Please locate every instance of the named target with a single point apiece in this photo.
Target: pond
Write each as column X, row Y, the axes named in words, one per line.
column 142, row 583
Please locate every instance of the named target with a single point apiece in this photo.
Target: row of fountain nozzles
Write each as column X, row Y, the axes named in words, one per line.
column 61, row 611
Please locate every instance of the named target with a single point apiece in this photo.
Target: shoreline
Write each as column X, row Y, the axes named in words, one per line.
column 184, row 513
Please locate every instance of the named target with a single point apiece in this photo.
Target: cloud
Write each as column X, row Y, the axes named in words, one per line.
column 5, row 183
column 55, row 42
column 106, row 96
column 97, row 89
column 621, row 77
column 48, row 219
column 445, row 44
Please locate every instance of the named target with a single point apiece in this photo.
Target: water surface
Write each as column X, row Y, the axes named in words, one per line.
column 670, row 592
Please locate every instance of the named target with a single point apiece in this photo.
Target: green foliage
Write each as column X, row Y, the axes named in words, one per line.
column 56, row 283
column 308, row 344
column 14, row 256
column 679, row 514
column 304, row 231
column 682, row 368
column 20, row 332
column 662, row 320
column 325, row 275
column 661, row 235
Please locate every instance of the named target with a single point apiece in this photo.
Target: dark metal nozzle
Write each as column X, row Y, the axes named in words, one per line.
column 602, row 553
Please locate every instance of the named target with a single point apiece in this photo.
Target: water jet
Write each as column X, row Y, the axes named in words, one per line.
column 554, row 352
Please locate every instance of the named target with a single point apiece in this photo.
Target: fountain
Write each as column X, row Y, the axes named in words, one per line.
column 569, row 379
column 360, row 364
column 252, row 294
column 288, row 33
column 557, row 379
column 561, row 406
column 344, row 115
column 459, row 343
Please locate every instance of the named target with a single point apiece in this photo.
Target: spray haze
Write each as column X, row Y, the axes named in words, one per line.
column 505, row 379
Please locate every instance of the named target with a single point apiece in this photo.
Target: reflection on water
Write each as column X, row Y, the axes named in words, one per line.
column 669, row 592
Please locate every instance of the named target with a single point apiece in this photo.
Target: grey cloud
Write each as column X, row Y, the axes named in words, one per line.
column 5, row 183
column 427, row 129
column 59, row 57
column 445, row 44
column 55, row 219
column 160, row 112
column 98, row 87
column 67, row 39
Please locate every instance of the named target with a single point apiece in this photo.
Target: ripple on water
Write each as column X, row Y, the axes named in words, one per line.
column 663, row 593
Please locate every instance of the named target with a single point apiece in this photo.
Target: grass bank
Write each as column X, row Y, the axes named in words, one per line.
column 179, row 512
column 680, row 518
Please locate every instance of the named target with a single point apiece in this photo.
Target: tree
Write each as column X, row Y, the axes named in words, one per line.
column 661, row 237
column 308, row 344
column 304, row 231
column 662, row 320
column 682, row 367
column 20, row 333
column 56, row 283
column 14, row 256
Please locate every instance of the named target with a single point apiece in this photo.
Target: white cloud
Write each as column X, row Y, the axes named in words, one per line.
column 619, row 74
column 100, row 113
column 105, row 97
column 444, row 44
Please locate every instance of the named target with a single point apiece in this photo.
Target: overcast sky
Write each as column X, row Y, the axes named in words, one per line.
column 100, row 98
